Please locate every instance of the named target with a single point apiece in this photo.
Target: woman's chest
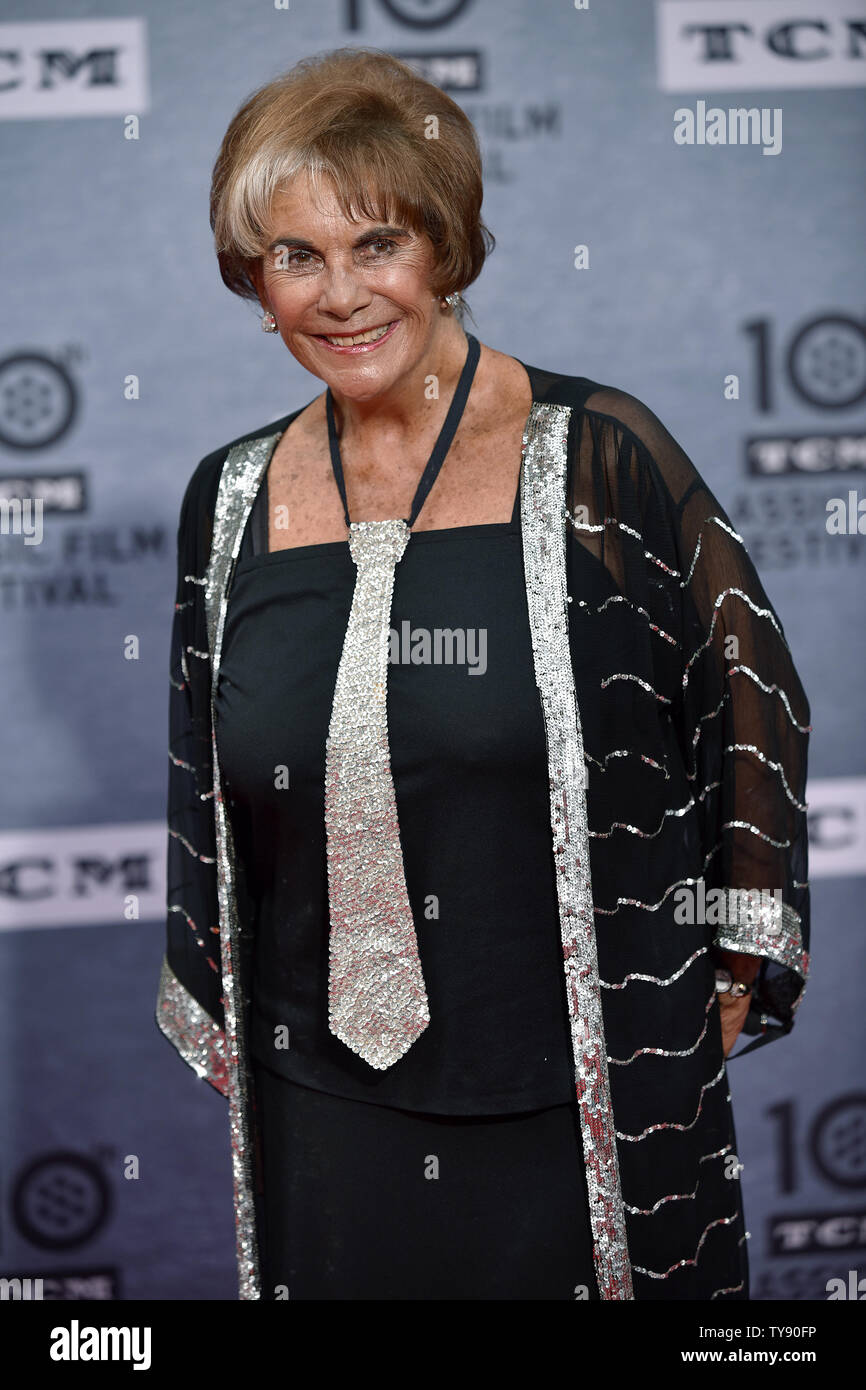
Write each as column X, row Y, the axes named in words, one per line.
column 476, row 484
column 461, row 690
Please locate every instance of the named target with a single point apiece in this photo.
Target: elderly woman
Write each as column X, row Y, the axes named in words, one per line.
column 487, row 833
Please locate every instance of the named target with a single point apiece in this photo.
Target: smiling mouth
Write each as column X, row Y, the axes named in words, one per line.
column 369, row 335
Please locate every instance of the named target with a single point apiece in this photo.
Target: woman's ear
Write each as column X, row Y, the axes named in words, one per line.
column 254, row 270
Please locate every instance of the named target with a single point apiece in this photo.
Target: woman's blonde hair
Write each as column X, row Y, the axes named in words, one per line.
column 394, row 146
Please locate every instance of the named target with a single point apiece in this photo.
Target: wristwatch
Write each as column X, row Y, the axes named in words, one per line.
column 726, row 984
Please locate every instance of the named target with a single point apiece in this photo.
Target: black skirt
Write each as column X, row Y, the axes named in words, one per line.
column 364, row 1201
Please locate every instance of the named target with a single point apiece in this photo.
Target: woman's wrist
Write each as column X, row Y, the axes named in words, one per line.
column 742, row 967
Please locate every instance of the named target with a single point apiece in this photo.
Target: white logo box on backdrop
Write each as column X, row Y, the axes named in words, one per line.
column 837, row 827
column 86, row 875
column 733, row 45
column 73, row 67
column 82, row 876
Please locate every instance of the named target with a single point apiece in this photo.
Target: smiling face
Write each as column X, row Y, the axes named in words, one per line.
column 328, row 280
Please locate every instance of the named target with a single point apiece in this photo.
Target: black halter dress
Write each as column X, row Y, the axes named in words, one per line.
column 457, row 1173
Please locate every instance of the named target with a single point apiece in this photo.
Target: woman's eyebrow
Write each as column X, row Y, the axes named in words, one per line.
column 370, row 235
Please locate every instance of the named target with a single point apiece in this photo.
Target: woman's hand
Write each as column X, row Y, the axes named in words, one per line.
column 734, row 1008
column 733, row 1017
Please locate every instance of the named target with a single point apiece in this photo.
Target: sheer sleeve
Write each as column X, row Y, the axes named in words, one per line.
column 740, row 713
column 189, row 1008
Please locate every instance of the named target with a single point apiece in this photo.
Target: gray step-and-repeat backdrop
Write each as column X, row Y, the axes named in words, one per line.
column 720, row 280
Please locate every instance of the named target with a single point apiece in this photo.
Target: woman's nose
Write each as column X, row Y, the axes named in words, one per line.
column 342, row 291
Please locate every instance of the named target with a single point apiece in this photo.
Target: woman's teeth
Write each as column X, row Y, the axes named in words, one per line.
column 370, row 337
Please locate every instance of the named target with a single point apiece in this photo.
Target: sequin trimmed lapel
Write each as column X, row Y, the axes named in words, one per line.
column 239, row 483
column 543, row 481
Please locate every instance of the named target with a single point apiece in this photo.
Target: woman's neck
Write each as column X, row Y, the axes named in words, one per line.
column 384, row 421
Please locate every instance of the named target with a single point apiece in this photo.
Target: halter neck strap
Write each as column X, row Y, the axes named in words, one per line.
column 440, row 448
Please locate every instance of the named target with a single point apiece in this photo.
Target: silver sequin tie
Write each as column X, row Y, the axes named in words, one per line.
column 377, row 1003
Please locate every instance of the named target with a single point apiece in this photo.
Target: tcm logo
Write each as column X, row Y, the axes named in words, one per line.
column 80, row 67
column 728, row 45
column 837, row 826
column 769, row 456
column 814, row 1232
column 82, row 875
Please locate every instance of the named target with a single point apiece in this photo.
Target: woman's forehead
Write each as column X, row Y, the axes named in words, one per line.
column 304, row 202
column 316, row 198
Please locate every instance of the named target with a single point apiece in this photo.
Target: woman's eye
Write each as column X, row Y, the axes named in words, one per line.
column 297, row 258
column 286, row 258
column 381, row 241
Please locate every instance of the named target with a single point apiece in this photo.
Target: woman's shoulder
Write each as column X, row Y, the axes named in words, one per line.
column 618, row 431
column 623, row 412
